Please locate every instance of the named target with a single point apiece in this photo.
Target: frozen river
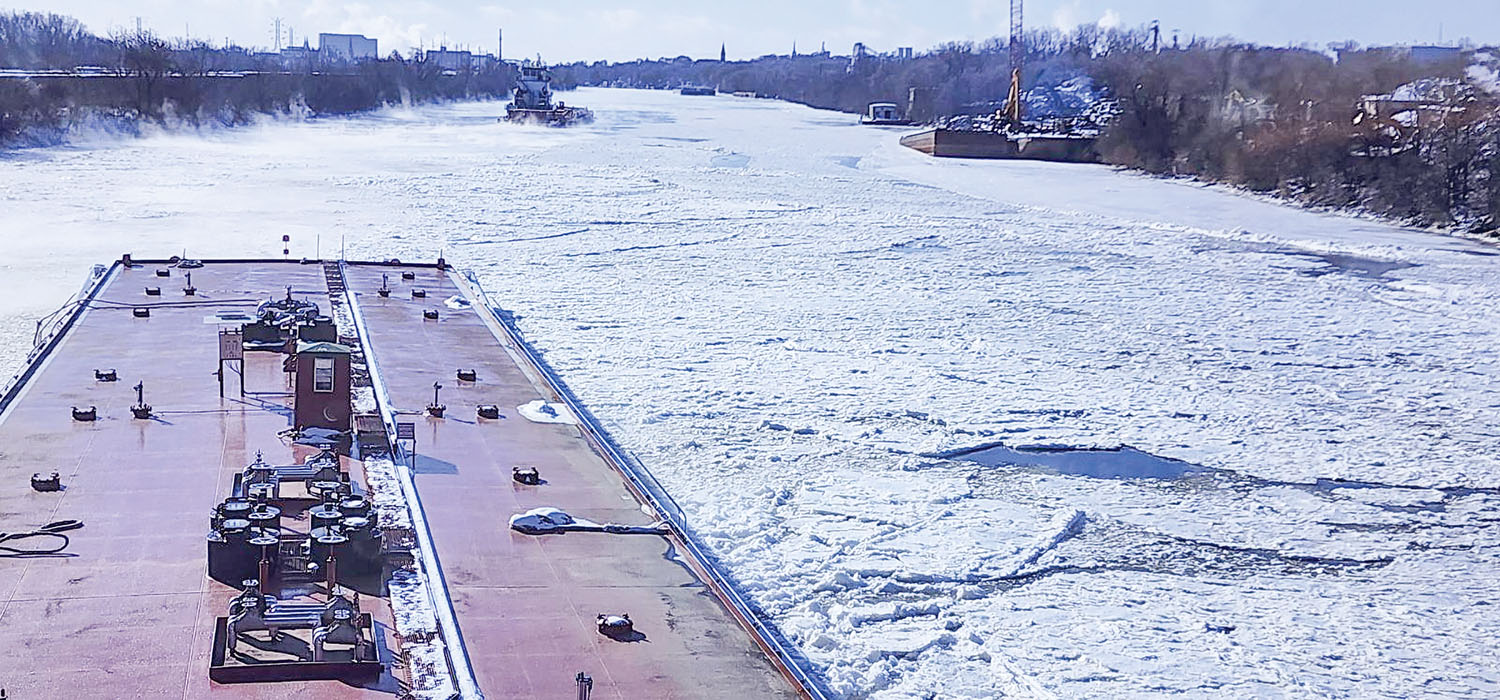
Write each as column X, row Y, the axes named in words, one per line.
column 803, row 330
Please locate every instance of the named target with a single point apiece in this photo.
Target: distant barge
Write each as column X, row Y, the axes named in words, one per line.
column 352, row 460
column 954, row 143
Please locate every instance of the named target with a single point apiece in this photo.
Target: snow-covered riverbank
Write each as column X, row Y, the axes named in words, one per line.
column 783, row 315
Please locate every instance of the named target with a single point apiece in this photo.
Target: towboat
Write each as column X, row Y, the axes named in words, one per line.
column 532, row 103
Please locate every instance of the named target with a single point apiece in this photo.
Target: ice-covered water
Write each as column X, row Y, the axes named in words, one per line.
column 781, row 313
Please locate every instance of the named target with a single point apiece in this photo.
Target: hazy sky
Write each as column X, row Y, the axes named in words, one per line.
column 566, row 30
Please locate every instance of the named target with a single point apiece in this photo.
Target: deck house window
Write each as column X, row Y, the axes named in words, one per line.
column 323, row 375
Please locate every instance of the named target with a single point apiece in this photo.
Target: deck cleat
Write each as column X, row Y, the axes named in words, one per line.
column 488, row 410
column 153, row 291
column 141, row 409
column 408, row 276
column 163, row 272
column 105, row 375
column 419, row 294
column 46, row 482
column 468, row 375
column 615, row 626
column 430, row 314
column 86, row 415
column 140, row 312
column 526, row 475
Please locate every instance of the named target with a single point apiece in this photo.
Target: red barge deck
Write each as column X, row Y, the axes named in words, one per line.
column 128, row 610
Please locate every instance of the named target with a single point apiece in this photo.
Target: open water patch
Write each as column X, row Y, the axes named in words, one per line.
column 1359, row 266
column 1126, row 462
column 730, row 160
column 1112, row 463
column 1328, row 263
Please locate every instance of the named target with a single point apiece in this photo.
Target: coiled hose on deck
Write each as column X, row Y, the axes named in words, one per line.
column 52, row 530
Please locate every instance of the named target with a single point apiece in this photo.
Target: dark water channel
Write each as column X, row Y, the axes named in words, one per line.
column 1116, row 463
column 1127, row 462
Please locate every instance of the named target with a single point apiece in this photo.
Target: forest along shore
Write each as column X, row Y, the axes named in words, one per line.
column 57, row 79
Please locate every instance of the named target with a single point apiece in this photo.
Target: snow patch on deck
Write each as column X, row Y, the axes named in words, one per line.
column 543, row 411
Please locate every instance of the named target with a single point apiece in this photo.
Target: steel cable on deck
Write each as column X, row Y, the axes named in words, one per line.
column 53, row 530
column 107, row 303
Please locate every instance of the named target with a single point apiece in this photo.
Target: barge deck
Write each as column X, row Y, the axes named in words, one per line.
column 129, row 610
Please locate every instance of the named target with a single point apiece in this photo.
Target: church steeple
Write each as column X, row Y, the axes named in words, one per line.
column 723, row 57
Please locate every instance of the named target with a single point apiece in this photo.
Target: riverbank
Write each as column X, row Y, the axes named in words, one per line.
column 49, row 110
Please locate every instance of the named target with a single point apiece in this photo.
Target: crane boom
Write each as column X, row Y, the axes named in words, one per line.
column 1017, row 51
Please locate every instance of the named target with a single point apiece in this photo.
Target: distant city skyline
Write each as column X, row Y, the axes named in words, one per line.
column 596, row 30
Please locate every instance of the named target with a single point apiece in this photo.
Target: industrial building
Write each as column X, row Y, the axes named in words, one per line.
column 347, row 47
column 451, row 60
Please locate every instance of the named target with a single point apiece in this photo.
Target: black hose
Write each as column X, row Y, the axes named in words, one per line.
column 52, row 529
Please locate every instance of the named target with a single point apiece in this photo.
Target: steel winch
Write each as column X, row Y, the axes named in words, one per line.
column 334, row 639
column 316, row 545
column 278, row 320
column 247, row 538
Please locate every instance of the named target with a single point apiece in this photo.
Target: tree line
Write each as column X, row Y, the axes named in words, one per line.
column 953, row 78
column 1294, row 122
column 1304, row 126
column 130, row 78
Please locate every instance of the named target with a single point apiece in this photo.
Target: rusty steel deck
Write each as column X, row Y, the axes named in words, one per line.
column 527, row 604
column 128, row 611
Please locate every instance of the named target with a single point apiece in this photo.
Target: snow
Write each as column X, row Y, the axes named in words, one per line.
column 543, row 411
column 1483, row 72
column 543, row 519
column 421, row 644
column 783, row 316
column 386, row 500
